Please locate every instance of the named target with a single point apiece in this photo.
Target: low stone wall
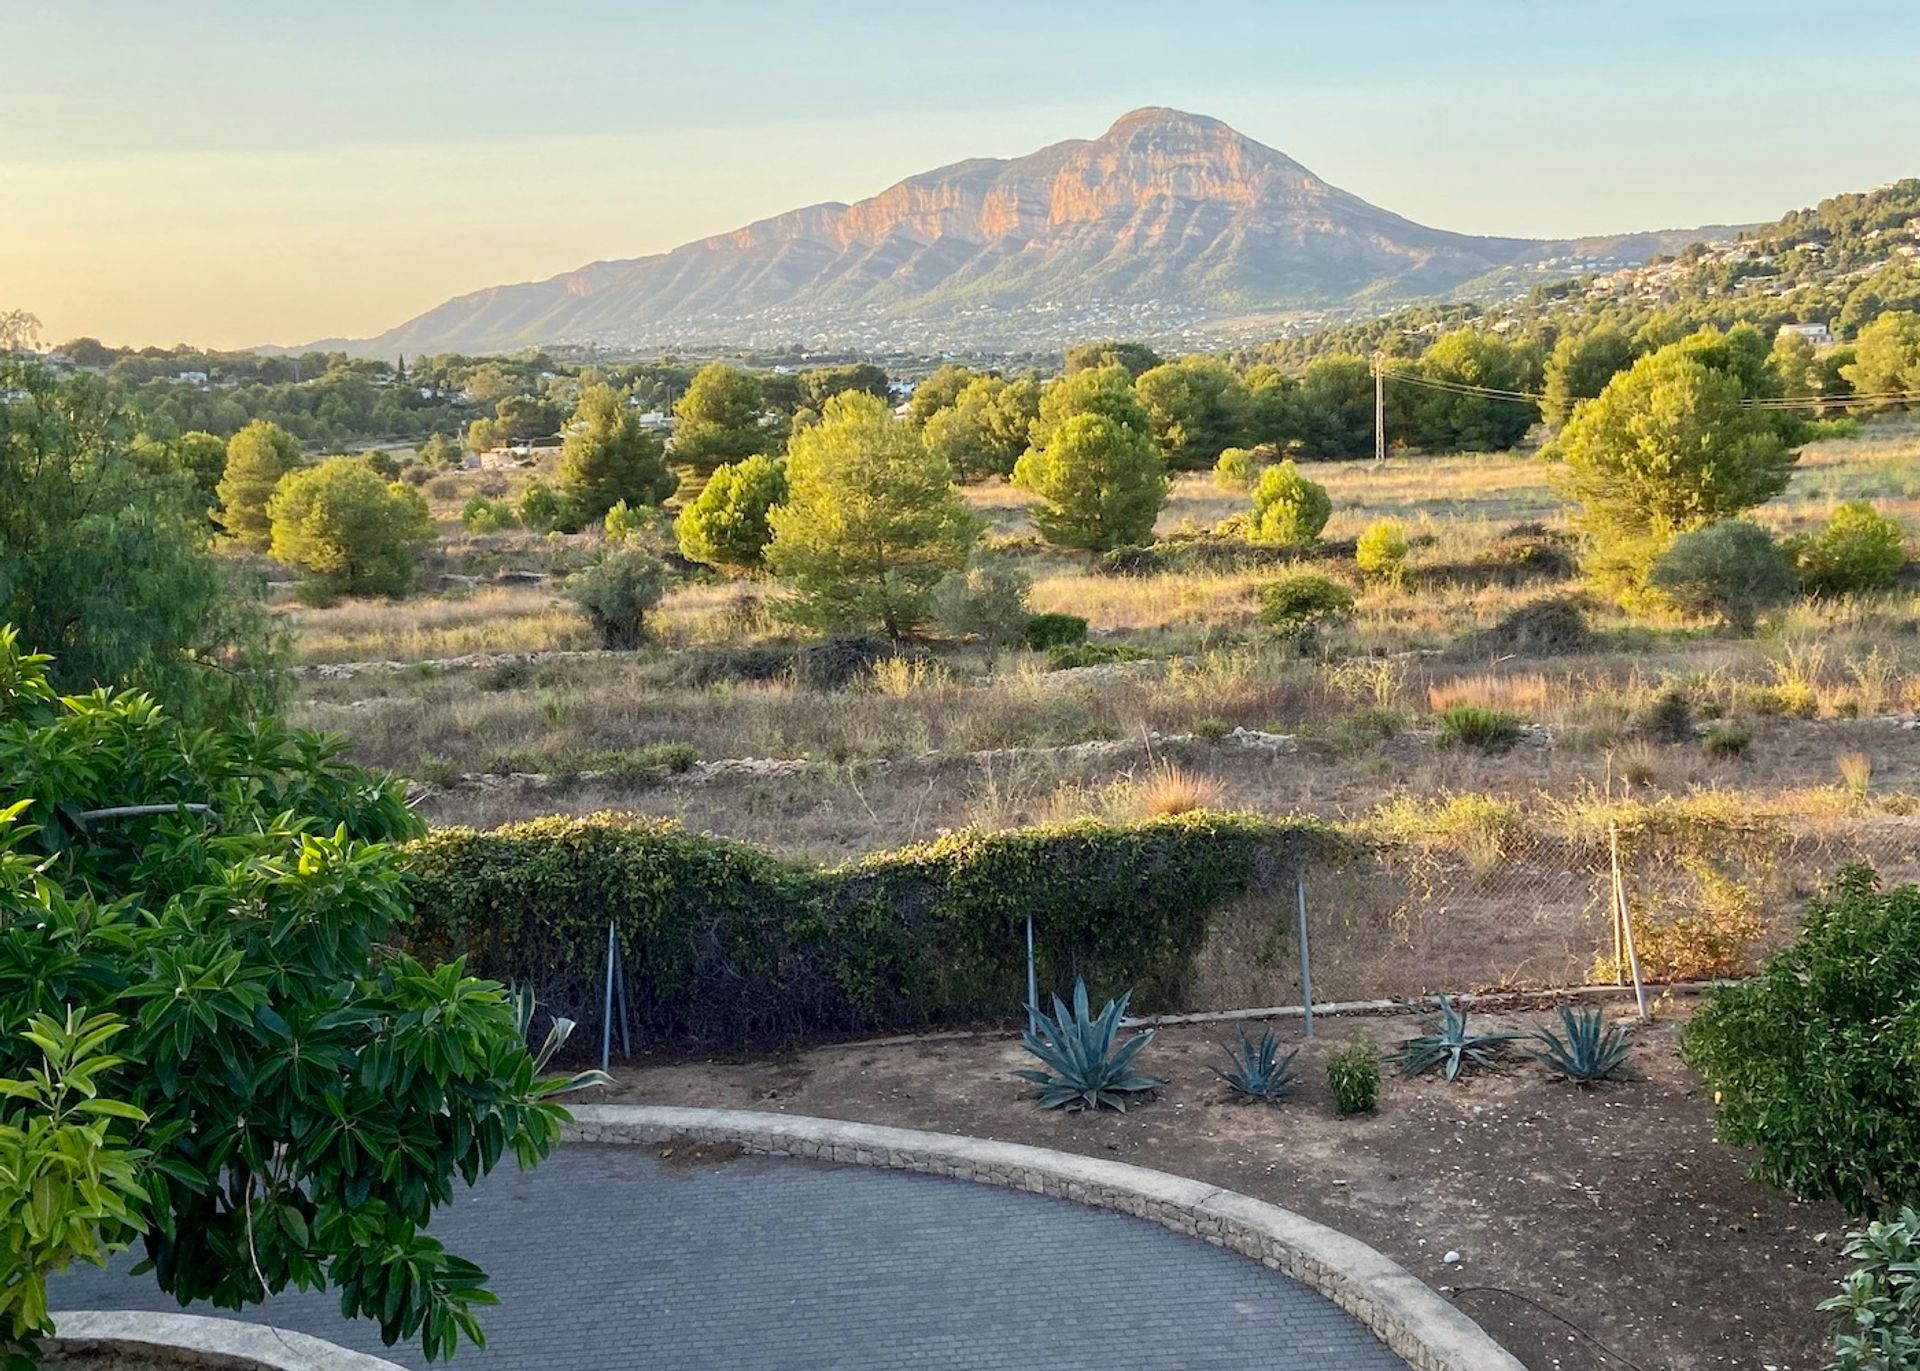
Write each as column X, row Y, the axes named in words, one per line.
column 1407, row 1315
column 170, row 1340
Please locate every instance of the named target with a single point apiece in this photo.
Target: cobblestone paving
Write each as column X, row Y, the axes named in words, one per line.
column 607, row 1258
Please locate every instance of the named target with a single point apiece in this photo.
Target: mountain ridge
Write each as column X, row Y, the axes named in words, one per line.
column 1166, row 221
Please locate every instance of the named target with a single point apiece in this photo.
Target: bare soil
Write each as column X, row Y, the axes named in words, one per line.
column 1595, row 1228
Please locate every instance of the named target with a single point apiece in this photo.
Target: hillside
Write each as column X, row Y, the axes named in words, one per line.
column 1840, row 263
column 1163, row 225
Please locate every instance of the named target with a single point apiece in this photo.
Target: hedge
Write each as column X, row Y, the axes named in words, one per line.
column 723, row 942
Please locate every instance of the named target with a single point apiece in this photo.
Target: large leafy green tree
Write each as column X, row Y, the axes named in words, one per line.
column 203, row 457
column 288, row 1099
column 257, row 457
column 352, row 532
column 1886, row 356
column 1447, row 418
column 1669, row 446
column 1135, row 358
column 871, row 523
column 106, row 556
column 1579, row 369
column 1197, row 407
column 608, row 458
column 938, row 391
column 719, row 419
column 984, row 431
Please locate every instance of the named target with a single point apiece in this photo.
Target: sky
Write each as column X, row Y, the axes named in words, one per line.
column 240, row 172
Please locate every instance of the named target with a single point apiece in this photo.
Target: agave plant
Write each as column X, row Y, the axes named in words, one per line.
column 558, row 1032
column 1257, row 1071
column 1086, row 1067
column 1447, row 1044
column 1590, row 1050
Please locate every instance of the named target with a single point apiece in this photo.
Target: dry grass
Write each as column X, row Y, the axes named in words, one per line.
column 495, row 620
column 1524, row 693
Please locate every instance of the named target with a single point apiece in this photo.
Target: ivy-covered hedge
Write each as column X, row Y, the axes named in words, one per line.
column 724, row 942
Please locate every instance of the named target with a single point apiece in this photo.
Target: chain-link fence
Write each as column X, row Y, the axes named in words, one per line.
column 1488, row 901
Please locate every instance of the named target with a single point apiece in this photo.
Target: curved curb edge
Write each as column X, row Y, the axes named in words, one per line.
column 196, row 1340
column 1400, row 1309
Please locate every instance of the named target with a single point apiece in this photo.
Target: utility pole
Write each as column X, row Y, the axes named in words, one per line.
column 1379, row 407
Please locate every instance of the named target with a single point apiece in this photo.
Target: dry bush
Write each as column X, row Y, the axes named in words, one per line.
column 1709, row 928
column 1172, row 789
column 1524, row 693
column 1856, row 773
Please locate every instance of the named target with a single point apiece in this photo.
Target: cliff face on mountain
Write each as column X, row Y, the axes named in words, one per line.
column 1164, row 222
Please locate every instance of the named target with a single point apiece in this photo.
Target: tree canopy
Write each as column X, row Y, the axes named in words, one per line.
column 257, row 457
column 871, row 523
column 609, row 459
column 720, row 418
column 350, row 531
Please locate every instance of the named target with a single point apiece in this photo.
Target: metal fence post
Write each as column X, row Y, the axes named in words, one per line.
column 1306, row 962
column 606, row 1005
column 1033, row 979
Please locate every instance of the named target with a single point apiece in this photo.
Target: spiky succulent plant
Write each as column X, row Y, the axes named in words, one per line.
column 1448, row 1045
column 1588, row 1051
column 1087, row 1067
column 1257, row 1071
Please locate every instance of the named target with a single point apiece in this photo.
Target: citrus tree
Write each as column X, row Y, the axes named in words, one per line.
column 197, row 989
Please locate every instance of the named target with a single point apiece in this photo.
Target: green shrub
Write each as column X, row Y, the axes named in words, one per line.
column 1065, row 657
column 1298, row 606
column 1813, row 1062
column 1670, row 718
column 1210, row 729
column 1381, row 551
column 1234, row 469
column 1857, row 549
column 1055, row 630
column 1353, row 1074
column 1288, row 509
column 545, row 510
column 1876, row 1315
column 617, row 592
column 487, row 516
column 1725, row 742
column 1732, row 570
column 725, row 943
column 1489, row 730
column 726, row 525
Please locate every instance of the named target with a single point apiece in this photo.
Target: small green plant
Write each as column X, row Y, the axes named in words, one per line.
column 1297, row 607
column 1087, row 1067
column 1258, row 1071
column 1858, row 548
column 1353, row 1074
column 1587, row 1050
column 1211, row 729
column 1448, row 1045
column 482, row 515
column 1726, row 742
column 1476, row 726
column 1288, row 509
column 1670, row 719
column 1381, row 551
column 1046, row 631
column 1234, row 470
column 1876, row 1315
column 1066, row 656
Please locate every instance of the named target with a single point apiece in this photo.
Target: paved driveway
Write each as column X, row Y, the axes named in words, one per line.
column 607, row 1258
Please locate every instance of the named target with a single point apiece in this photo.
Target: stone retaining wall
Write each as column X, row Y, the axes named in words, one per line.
column 1407, row 1315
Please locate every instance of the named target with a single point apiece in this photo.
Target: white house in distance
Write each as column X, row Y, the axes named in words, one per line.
column 1817, row 334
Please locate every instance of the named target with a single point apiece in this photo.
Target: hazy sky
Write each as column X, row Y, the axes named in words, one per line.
column 246, row 171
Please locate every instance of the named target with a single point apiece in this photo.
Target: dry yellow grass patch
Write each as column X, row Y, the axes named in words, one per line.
column 496, row 620
column 1515, row 693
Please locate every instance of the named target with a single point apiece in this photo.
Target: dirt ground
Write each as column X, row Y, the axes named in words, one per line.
column 1596, row 1228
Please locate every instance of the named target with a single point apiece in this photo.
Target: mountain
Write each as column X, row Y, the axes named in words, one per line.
column 1166, row 224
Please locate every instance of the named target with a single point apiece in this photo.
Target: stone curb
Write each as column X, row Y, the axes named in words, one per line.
column 195, row 1340
column 1402, row 1311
